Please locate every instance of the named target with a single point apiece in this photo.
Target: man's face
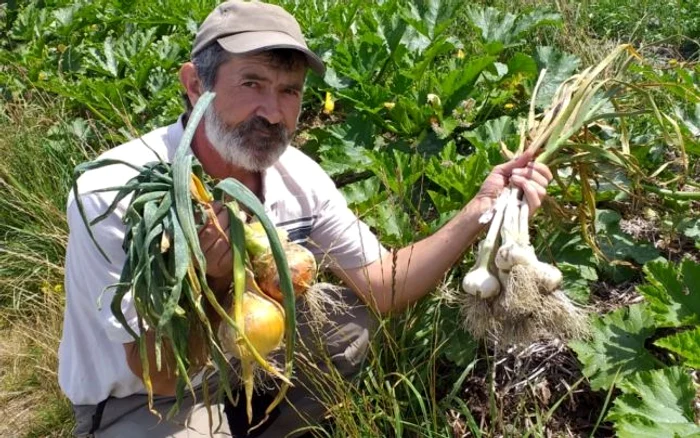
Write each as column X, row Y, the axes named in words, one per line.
column 255, row 111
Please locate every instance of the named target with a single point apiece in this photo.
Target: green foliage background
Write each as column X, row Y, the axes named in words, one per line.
column 77, row 77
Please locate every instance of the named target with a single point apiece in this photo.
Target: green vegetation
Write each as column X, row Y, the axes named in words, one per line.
column 33, row 228
column 424, row 93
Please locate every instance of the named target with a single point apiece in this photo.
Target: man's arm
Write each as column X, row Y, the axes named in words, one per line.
column 404, row 276
column 163, row 381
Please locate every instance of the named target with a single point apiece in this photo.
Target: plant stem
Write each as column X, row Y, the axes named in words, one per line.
column 673, row 194
column 524, row 226
column 488, row 244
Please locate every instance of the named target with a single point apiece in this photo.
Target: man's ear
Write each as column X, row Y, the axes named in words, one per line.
column 191, row 82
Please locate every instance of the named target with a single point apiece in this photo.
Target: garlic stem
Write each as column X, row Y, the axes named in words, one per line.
column 509, row 229
column 480, row 281
column 489, row 242
column 524, row 228
column 515, row 247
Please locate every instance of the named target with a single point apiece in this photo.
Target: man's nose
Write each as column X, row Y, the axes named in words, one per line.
column 270, row 108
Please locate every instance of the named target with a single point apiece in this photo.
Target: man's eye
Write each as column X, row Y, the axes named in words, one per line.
column 250, row 84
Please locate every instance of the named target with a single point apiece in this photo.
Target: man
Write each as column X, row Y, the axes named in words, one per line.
column 254, row 57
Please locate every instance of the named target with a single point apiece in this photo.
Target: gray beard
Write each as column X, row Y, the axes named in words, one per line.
column 243, row 146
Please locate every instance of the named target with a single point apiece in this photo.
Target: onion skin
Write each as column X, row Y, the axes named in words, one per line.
column 263, row 326
column 302, row 265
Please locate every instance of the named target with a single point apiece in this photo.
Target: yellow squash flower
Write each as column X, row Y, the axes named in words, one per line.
column 328, row 104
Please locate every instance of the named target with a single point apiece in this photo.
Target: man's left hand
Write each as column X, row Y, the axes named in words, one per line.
column 533, row 178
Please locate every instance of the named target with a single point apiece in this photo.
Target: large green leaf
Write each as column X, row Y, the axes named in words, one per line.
column 674, row 301
column 685, row 344
column 490, row 134
column 689, row 227
column 616, row 347
column 618, row 245
column 431, row 17
column 341, row 148
column 391, row 222
column 458, row 84
column 457, row 175
column 655, row 404
column 397, row 170
column 560, row 65
column 691, row 121
column 105, row 64
column 361, row 192
column 506, row 29
column 521, row 63
column 569, row 247
column 576, row 280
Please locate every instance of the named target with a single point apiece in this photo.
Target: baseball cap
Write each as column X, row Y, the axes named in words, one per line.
column 249, row 27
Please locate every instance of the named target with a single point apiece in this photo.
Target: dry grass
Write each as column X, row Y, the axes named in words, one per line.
column 32, row 243
column 31, row 402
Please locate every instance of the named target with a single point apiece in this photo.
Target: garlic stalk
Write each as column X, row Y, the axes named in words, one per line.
column 480, row 281
column 548, row 277
column 515, row 249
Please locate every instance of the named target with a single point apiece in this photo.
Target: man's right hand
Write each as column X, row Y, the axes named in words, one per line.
column 215, row 245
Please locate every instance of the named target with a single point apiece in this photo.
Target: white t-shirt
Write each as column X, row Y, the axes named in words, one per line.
column 298, row 196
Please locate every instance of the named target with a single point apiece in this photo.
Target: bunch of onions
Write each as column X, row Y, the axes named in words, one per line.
column 510, row 294
column 165, row 271
column 259, row 318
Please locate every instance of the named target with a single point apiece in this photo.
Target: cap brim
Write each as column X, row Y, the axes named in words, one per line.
column 252, row 42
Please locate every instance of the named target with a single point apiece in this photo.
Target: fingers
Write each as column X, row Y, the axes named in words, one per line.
column 537, row 172
column 534, row 193
column 211, row 230
column 219, row 257
column 213, row 239
column 533, row 179
column 543, row 169
column 520, row 161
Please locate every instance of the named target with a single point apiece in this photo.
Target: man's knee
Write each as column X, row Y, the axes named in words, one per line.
column 346, row 335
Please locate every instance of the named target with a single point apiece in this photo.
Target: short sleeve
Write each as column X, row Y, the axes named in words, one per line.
column 90, row 277
column 340, row 239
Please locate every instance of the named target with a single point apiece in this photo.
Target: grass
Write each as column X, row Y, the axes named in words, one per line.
column 34, row 176
column 32, row 402
column 40, row 149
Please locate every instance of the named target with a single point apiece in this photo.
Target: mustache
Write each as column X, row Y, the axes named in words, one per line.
column 276, row 131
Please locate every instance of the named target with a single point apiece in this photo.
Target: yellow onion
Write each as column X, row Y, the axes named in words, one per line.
column 256, row 240
column 263, row 326
column 302, row 266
